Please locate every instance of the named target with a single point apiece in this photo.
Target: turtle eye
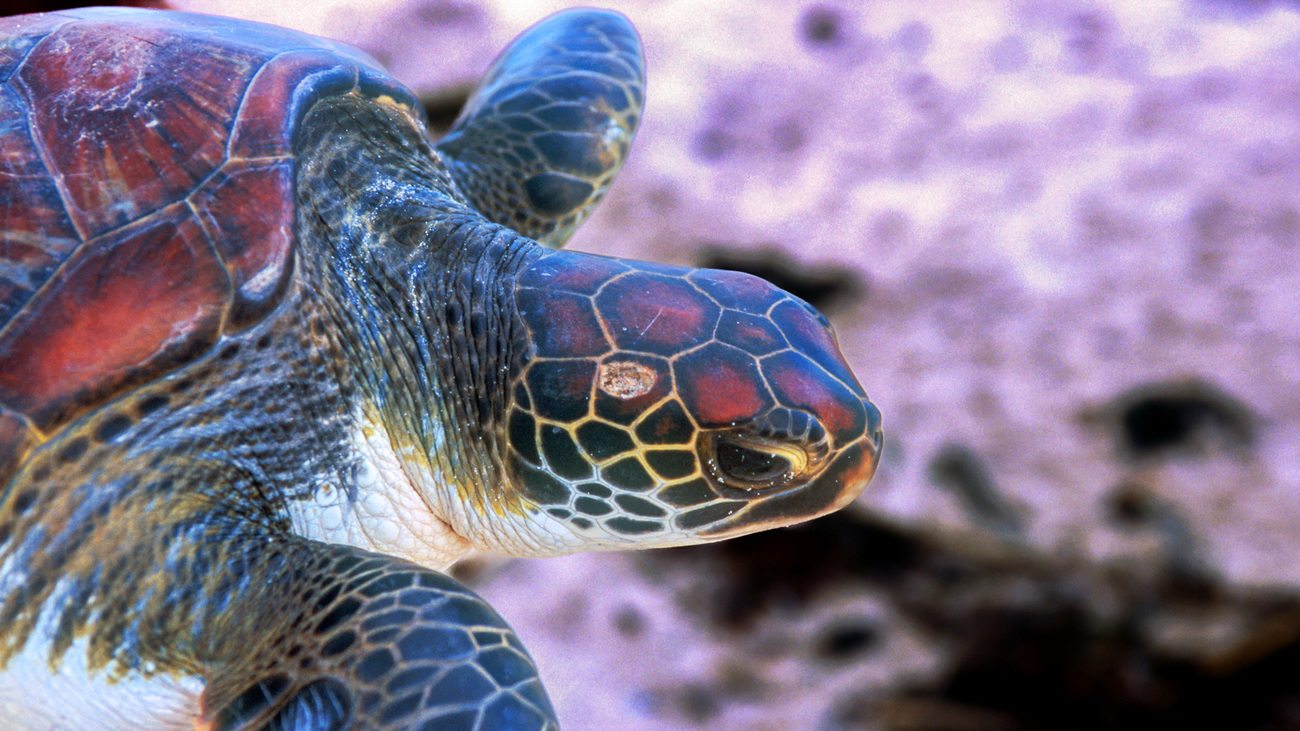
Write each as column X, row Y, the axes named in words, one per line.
column 750, row 463
column 743, row 464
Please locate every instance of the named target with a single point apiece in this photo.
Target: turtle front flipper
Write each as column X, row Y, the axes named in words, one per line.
column 354, row 640
column 542, row 138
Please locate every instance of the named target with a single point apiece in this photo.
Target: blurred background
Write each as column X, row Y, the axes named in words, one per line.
column 1060, row 243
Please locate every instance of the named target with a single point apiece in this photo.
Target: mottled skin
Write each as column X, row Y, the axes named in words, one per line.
column 268, row 359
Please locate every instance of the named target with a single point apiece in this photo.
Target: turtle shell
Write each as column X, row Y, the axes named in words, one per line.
column 145, row 213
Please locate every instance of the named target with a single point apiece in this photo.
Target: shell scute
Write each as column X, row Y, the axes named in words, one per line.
column 146, row 165
column 274, row 104
column 124, row 308
column 18, row 34
column 123, row 133
column 255, row 242
column 35, row 232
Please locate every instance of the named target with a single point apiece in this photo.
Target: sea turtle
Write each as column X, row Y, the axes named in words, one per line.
column 270, row 358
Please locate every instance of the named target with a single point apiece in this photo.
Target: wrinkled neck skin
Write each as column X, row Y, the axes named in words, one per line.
column 417, row 290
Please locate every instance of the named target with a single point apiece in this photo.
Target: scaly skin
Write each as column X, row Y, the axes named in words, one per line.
column 235, row 505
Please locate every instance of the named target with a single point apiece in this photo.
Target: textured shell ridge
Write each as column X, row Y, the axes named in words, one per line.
column 119, row 125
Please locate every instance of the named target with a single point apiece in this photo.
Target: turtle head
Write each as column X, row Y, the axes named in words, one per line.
column 663, row 406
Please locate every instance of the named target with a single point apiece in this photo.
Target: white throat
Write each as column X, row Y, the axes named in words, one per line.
column 385, row 509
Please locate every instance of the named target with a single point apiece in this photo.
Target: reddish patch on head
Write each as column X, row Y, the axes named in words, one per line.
column 563, row 325
column 248, row 214
column 571, row 271
column 800, row 384
column 721, row 386
column 750, row 333
column 737, row 290
column 656, row 314
column 123, row 310
column 809, row 335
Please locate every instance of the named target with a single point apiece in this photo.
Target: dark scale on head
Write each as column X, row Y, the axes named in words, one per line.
column 639, row 506
column 595, row 489
column 539, row 486
column 602, row 441
column 707, row 515
column 522, row 435
column 686, row 494
column 628, row 474
column 671, row 464
column 592, row 506
column 562, row 455
column 632, row 526
column 667, row 424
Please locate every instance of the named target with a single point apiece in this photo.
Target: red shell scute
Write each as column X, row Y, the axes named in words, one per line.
column 121, row 310
column 656, row 314
column 146, row 191
column 123, row 131
column 254, row 240
column 721, row 386
column 265, row 123
column 19, row 33
column 35, row 232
